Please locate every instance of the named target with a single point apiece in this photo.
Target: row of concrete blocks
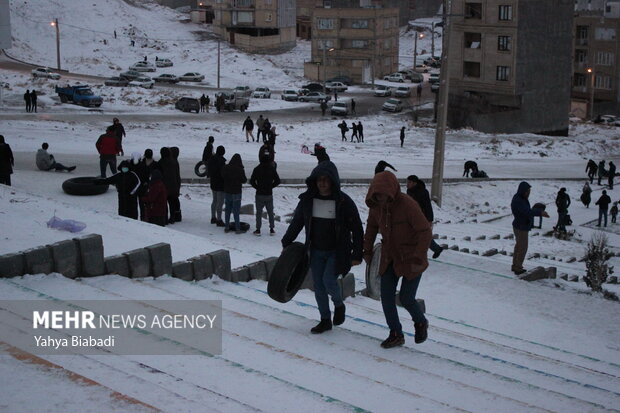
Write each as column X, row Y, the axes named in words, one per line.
column 479, row 238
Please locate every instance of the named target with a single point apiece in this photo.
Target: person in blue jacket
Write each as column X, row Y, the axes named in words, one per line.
column 522, row 224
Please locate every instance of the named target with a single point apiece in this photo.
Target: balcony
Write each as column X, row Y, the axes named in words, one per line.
column 581, row 41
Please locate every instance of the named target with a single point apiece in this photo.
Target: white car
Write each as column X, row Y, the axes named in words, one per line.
column 143, row 67
column 421, row 68
column 433, row 78
column 163, row 63
column 166, row 78
column 393, row 105
column 340, row 108
column 45, row 72
column 262, row 93
column 143, row 81
column 337, row 86
column 435, row 87
column 382, row 90
column 290, row 95
column 315, row 97
column 395, row 77
column 192, row 77
column 402, row 92
column 610, row 120
column 243, row 91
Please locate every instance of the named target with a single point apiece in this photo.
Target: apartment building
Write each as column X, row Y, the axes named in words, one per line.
column 596, row 59
column 510, row 65
column 356, row 42
column 256, row 26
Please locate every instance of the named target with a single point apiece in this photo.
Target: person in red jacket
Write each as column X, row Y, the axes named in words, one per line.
column 156, row 200
column 108, row 147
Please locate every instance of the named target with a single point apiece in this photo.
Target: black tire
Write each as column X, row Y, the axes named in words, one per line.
column 200, row 169
column 243, row 226
column 63, row 99
column 289, row 273
column 83, row 186
column 400, row 81
column 98, row 105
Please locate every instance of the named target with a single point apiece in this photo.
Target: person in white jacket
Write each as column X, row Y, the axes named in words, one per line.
column 46, row 161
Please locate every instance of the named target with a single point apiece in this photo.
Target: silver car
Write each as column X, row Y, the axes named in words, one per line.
column 262, row 93
column 402, row 92
column 143, row 81
column 382, row 90
column 166, row 78
column 143, row 67
column 116, row 81
column 45, row 72
column 393, row 105
column 163, row 63
column 192, row 77
column 315, row 97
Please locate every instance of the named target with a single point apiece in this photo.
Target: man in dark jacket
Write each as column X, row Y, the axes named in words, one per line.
column 203, row 102
column 266, row 130
column 562, row 201
column 207, row 153
column 416, row 189
column 522, row 224
column 214, row 167
column 174, row 151
column 591, row 169
column 343, row 130
column 611, row 174
column 144, row 169
column 360, row 130
column 603, row 206
column 119, row 130
column 108, row 147
column 127, row 184
column 601, row 171
column 170, row 171
column 248, row 126
column 260, row 123
column 33, row 101
column 320, row 152
column 333, row 238
column 264, row 178
column 27, row 100
column 234, row 177
column 402, row 136
column 354, row 133
column 323, row 107
column 6, row 162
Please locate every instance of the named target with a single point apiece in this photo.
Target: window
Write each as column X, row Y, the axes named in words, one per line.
column 324, row 44
column 387, row 43
column 387, row 61
column 602, row 33
column 473, row 40
column 359, row 24
column 602, row 82
column 359, row 44
column 579, row 80
column 605, row 58
column 327, row 4
column 473, row 10
column 325, row 24
column 581, row 56
column 244, row 3
column 268, row 17
column 503, row 73
column 358, row 63
column 471, row 69
column 243, row 17
column 505, row 13
column 582, row 35
column 504, row 43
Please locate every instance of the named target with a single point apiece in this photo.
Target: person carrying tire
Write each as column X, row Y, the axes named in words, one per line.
column 264, row 178
column 214, row 167
column 46, row 162
column 333, row 239
column 127, row 185
column 108, row 147
column 234, row 177
column 406, row 235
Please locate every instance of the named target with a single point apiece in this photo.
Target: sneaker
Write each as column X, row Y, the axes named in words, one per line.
column 213, row 221
column 421, row 332
column 226, row 230
column 339, row 315
column 519, row 271
column 257, row 233
column 323, row 326
column 272, row 231
column 71, row 168
column 221, row 223
column 437, row 254
column 394, row 340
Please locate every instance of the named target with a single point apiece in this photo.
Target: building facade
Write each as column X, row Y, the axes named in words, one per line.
column 256, row 26
column 356, row 42
column 5, row 25
column 510, row 65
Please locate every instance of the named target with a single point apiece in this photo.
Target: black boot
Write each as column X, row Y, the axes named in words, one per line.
column 394, row 340
column 437, row 253
column 421, row 332
column 323, row 326
column 339, row 315
column 177, row 216
column 213, row 221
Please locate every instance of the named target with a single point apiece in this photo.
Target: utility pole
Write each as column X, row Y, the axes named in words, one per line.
column 218, row 62
column 433, row 39
column 55, row 24
column 442, row 109
column 324, row 64
column 591, row 71
column 415, row 48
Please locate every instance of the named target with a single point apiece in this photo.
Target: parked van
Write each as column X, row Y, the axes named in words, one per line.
column 341, row 107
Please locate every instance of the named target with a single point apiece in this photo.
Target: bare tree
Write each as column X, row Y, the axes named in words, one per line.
column 597, row 265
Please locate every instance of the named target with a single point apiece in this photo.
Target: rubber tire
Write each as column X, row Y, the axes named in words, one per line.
column 63, row 99
column 373, row 278
column 289, row 273
column 243, row 226
column 83, row 186
column 197, row 169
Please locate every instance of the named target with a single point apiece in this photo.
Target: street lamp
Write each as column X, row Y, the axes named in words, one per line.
column 325, row 50
column 415, row 48
column 591, row 71
column 55, row 24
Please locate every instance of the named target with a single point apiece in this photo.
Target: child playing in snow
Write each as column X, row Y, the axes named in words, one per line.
column 614, row 212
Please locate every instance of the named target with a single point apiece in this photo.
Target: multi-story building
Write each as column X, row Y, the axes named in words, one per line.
column 510, row 65
column 596, row 64
column 256, row 26
column 356, row 42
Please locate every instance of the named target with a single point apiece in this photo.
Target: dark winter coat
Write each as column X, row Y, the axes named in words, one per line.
column 264, row 178
column 127, row 184
column 523, row 213
column 170, row 171
column 33, row 97
column 6, row 159
column 144, row 172
column 402, row 134
column 406, row 233
column 321, row 154
column 156, row 198
column 601, row 168
column 343, row 127
column 108, row 145
column 119, row 130
column 591, row 167
column 562, row 201
column 603, row 202
column 420, row 194
column 266, row 151
column 214, row 167
column 234, row 175
column 27, row 97
column 612, row 170
column 248, row 125
column 349, row 231
column 208, row 152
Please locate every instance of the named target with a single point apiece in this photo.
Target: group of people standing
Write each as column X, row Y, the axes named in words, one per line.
column 263, row 127
column 593, row 170
column 30, row 98
column 357, row 131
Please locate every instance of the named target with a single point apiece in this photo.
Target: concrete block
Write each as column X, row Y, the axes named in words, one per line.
column 38, row 260
column 91, row 255
column 454, row 247
column 202, row 267
column 467, row 238
column 270, row 263
column 537, row 273
column 552, row 272
column 490, row 253
column 435, row 236
column 465, row 250
column 443, row 237
column 496, row 236
column 573, row 278
column 139, row 263
column 452, row 238
column 183, row 270
column 247, row 209
column 66, row 258
column 612, row 280
column 475, row 252
column 241, row 274
column 258, row 270
column 510, row 236
column 481, row 237
column 161, row 259
column 12, row 265
column 535, row 255
column 564, row 276
column 117, row 264
column 347, row 285
column 221, row 263
column 571, row 259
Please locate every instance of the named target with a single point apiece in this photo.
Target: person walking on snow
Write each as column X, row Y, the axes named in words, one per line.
column 108, row 147
column 333, row 239
column 170, row 173
column 6, row 162
column 402, row 136
column 260, row 123
column 405, row 238
column 264, row 178
column 601, row 171
column 343, row 130
column 360, row 130
column 33, row 101
column 603, row 205
column 562, row 201
column 416, row 189
column 354, row 133
column 586, row 195
column 46, row 161
column 591, row 169
column 353, row 106
column 119, row 130
column 323, row 107
column 522, row 224
column 248, row 126
column 27, row 100
column 611, row 174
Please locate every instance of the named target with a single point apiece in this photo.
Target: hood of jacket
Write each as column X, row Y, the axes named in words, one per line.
column 523, row 187
column 236, row 161
column 383, row 183
column 325, row 168
column 220, row 150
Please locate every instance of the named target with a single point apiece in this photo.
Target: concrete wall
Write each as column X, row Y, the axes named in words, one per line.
column 425, row 8
column 5, row 25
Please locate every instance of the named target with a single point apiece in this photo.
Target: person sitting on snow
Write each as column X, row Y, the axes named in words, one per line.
column 46, row 161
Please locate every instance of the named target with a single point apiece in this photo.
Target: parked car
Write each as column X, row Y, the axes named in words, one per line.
column 313, row 87
column 392, row 105
column 188, row 104
column 435, row 87
column 45, row 72
column 433, row 61
column 116, row 81
column 166, row 78
column 342, row 107
column 337, row 86
column 143, row 81
column 262, row 93
column 417, row 78
column 234, row 101
column 192, row 77
column 315, row 97
column 304, row 92
column 382, row 90
column 163, row 63
column 130, row 75
column 244, row 91
column 608, row 120
column 395, row 77
column 421, row 68
column 402, row 92
column 290, row 95
column 433, row 78
column 342, row 79
column 143, row 67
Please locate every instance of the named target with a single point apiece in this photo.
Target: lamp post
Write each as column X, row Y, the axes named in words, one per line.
column 433, row 40
column 55, row 24
column 591, row 71
column 218, row 62
column 325, row 63
column 415, row 48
